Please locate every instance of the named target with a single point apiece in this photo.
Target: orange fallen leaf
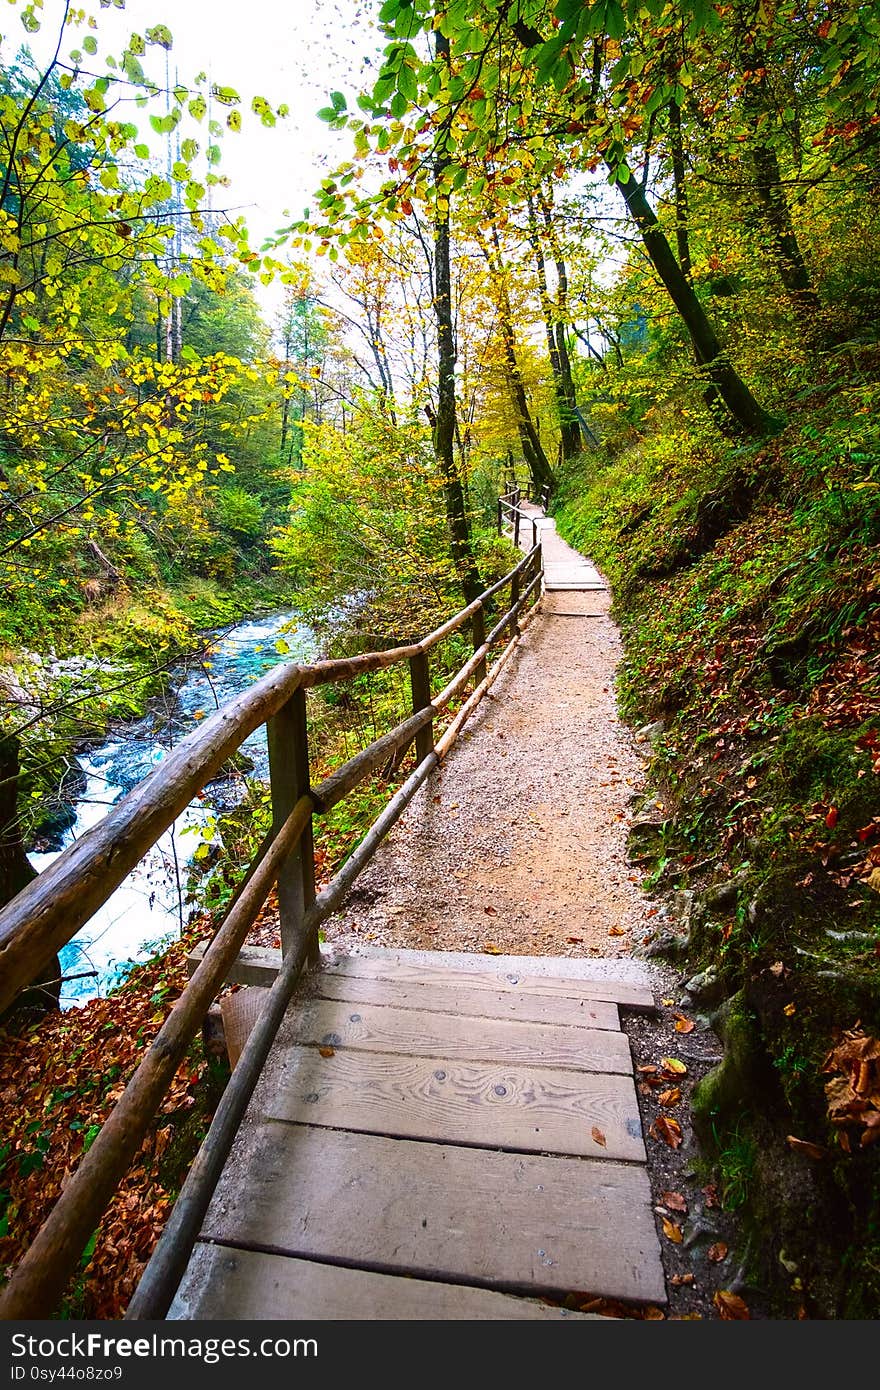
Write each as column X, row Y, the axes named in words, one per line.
column 731, row 1307
column 674, row 1201
column 683, row 1024
column 672, row 1231
column 616, row 931
column 717, row 1252
column 804, row 1146
column 677, row 1280
column 654, row 1314
column 667, row 1130
column 492, row 950
column 327, row 1051
column 832, row 817
column 599, row 1137
column 670, row 1097
column 575, row 940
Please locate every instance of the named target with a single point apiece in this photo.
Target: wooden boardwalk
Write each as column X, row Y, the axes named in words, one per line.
column 565, row 569
column 430, row 1141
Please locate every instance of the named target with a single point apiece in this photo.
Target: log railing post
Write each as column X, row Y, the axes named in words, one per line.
column 500, row 515
column 516, row 519
column 534, row 531
column 420, row 684
column 514, row 600
column 288, row 739
column 479, row 631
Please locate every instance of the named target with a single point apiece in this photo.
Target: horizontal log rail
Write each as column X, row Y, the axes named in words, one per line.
column 510, row 513
column 52, row 909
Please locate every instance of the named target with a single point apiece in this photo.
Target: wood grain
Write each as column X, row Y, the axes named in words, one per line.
column 504, row 978
column 535, row 1109
column 380, row 1028
column 439, row 1211
column 464, row 1001
column 222, row 1284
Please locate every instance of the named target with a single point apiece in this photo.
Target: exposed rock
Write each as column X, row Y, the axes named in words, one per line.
column 706, row 988
column 650, row 733
column 722, row 897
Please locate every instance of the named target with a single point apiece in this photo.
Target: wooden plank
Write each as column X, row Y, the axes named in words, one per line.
column 439, row 1211
column 504, row 978
column 381, row 1028
column 222, row 1284
column 240, row 1012
column 532, row 1109
column 463, row 1001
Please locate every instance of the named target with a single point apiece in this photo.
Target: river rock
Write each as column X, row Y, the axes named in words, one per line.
column 650, row 733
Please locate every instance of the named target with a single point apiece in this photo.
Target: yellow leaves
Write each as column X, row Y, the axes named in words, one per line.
column 672, row 1231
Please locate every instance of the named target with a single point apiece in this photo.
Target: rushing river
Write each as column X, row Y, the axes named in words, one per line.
column 149, row 905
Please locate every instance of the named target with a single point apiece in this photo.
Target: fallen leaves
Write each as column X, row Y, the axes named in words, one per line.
column 683, row 1024
column 681, row 1280
column 492, row 950
column 806, row 1147
column 717, row 1252
column 599, row 1137
column 667, row 1130
column 853, row 1093
column 675, row 1201
column 670, row 1097
column 59, row 1082
column 731, row 1307
column 616, row 931
column 672, row 1231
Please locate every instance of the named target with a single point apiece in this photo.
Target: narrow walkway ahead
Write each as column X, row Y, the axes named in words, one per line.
column 454, row 1134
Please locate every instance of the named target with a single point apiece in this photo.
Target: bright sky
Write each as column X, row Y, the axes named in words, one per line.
column 293, row 51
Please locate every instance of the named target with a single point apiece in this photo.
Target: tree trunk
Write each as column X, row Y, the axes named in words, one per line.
column 560, row 365
column 711, row 395
column 536, row 459
column 445, row 419
column 746, row 411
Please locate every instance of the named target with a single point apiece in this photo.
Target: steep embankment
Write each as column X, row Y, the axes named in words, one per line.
column 747, row 587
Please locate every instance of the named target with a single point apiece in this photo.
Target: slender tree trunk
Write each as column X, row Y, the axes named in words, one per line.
column 560, row 365
column 445, row 419
column 540, row 470
column 682, row 209
column 711, row 395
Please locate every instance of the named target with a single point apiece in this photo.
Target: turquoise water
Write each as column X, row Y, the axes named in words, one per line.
column 149, row 905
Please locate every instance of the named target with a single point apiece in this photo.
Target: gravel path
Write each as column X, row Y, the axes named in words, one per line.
column 518, row 844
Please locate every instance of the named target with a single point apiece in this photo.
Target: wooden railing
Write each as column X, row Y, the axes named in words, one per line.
column 53, row 908
column 510, row 513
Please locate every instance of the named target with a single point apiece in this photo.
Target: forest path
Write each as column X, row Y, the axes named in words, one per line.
column 518, row 844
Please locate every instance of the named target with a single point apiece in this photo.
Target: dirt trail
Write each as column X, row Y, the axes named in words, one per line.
column 518, row 844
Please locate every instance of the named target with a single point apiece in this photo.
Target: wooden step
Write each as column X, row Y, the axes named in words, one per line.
column 533, row 1109
column 503, row 979
column 222, row 1284
column 438, row 1211
column 467, row 1002
column 380, row 1028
